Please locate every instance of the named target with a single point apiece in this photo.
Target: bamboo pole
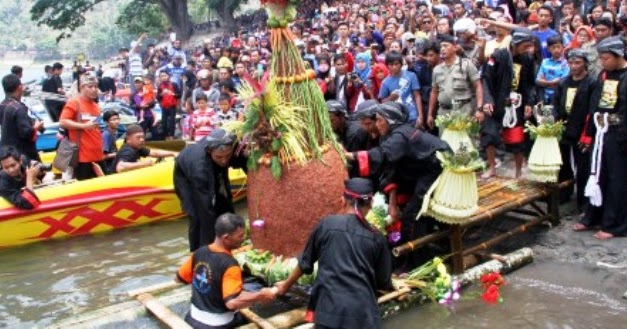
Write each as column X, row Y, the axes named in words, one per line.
column 159, row 287
column 256, row 319
column 162, row 312
column 501, row 237
column 412, row 245
column 393, row 295
column 287, row 319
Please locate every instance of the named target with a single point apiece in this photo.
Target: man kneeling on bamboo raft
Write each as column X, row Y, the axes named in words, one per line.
column 353, row 263
column 407, row 166
column 216, row 279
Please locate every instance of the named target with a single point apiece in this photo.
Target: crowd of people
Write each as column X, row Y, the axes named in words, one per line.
column 388, row 70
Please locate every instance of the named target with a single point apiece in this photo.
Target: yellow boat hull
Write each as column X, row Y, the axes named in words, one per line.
column 100, row 205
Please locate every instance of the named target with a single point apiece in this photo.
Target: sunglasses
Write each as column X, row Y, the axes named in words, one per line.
column 426, row 22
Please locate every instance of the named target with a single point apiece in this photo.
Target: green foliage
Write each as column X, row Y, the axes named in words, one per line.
column 62, row 15
column 456, row 120
column 198, row 10
column 461, row 161
column 137, row 17
column 275, row 167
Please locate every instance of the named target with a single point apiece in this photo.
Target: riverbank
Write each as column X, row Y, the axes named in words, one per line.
column 49, row 282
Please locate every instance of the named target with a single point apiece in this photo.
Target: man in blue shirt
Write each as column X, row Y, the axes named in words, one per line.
column 402, row 86
column 544, row 31
column 552, row 69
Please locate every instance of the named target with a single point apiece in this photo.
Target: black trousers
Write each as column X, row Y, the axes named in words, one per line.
column 411, row 228
column 580, row 176
column 85, row 170
column 612, row 215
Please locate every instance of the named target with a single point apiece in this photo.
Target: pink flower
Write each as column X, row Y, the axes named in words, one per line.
column 259, row 223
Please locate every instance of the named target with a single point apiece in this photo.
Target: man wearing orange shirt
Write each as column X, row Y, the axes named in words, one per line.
column 80, row 118
column 216, row 279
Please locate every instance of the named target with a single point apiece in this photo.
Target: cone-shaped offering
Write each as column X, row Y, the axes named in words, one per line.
column 545, row 159
column 457, row 127
column 453, row 197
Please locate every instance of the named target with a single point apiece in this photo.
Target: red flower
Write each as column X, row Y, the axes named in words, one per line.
column 491, row 295
column 492, row 278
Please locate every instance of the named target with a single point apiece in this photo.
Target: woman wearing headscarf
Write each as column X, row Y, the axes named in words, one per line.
column 356, row 86
column 323, row 75
column 406, row 163
column 583, row 38
column 378, row 73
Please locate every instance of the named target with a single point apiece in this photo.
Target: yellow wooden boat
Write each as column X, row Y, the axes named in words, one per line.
column 99, row 205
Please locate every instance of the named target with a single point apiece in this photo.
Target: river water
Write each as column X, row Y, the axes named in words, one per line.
column 46, row 282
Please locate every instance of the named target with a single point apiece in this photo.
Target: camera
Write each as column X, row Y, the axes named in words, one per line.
column 354, row 76
column 42, row 166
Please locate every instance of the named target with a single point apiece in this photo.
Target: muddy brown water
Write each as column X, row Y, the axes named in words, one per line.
column 46, row 282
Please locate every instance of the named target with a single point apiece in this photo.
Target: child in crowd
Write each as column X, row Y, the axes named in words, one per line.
column 202, row 118
column 225, row 112
column 149, row 94
column 143, row 109
column 553, row 69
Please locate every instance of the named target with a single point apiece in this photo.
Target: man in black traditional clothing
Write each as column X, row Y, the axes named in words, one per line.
column 571, row 104
column 353, row 263
column 201, row 182
column 407, row 166
column 607, row 186
column 348, row 132
column 508, row 82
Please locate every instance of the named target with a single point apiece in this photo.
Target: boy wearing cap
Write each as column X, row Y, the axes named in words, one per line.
column 353, row 260
column 607, row 187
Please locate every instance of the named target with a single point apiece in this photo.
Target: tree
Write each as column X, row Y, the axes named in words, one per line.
column 226, row 10
column 67, row 15
column 136, row 19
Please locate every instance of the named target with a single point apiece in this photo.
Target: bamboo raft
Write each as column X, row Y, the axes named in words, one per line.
column 517, row 198
column 158, row 300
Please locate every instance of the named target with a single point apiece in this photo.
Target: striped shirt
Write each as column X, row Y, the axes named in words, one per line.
column 202, row 121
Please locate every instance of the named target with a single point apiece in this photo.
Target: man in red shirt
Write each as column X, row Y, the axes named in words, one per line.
column 80, row 118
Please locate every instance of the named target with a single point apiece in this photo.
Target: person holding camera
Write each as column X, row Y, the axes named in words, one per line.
column 17, row 178
column 356, row 89
column 18, row 129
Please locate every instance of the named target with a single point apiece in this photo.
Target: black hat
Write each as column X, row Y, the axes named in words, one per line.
column 614, row 45
column 358, row 188
column 109, row 114
column 520, row 35
column 218, row 139
column 392, row 112
column 577, row 52
column 366, row 109
column 336, row 107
